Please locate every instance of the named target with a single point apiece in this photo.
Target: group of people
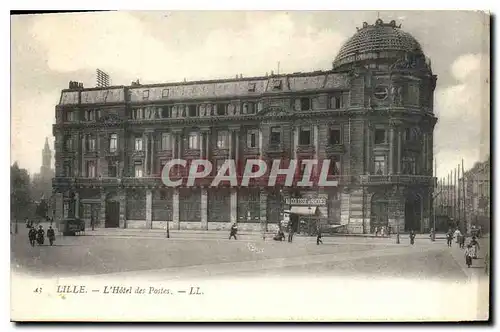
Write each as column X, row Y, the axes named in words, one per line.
column 38, row 235
column 382, row 231
column 472, row 248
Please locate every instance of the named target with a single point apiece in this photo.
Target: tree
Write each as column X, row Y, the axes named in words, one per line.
column 20, row 193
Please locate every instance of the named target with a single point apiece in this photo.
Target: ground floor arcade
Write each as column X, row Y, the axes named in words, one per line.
column 359, row 210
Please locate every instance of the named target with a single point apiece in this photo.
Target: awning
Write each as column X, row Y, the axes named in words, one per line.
column 304, row 210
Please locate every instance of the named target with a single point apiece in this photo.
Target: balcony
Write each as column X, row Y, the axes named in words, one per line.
column 405, row 179
column 191, row 153
column 335, row 149
column 251, row 151
column 220, row 152
column 306, row 149
column 164, row 153
column 91, row 154
column 275, row 149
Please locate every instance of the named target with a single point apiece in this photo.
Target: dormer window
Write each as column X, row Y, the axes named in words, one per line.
column 145, row 94
column 277, row 85
column 164, row 93
column 251, row 87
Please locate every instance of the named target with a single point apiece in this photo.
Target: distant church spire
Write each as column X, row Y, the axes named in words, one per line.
column 46, row 155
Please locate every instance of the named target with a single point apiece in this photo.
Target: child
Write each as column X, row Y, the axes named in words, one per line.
column 475, row 247
column 468, row 255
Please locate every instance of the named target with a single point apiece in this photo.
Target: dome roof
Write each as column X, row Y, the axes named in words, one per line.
column 380, row 37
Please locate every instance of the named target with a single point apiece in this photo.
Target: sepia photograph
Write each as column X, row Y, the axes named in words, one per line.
column 250, row 166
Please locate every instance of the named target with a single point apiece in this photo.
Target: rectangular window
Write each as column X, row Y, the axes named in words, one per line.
column 252, row 138
column 409, row 165
column 138, row 172
column 112, row 170
column 380, row 165
column 165, row 142
column 305, row 136
column 68, row 143
column 137, row 113
column 164, row 93
column 413, row 94
column 222, row 139
column 193, row 142
column 192, row 111
column 251, row 87
column 249, row 108
column 90, row 115
column 91, row 144
column 138, row 144
column 275, row 135
column 380, row 136
column 277, row 84
column 69, row 116
column 334, row 166
column 165, row 112
column 67, row 169
column 113, row 143
column 91, row 169
column 337, row 101
column 335, row 137
column 305, row 104
column 145, row 94
column 221, row 109
column 407, row 134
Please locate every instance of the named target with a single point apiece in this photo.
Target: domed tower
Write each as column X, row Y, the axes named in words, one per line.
column 391, row 124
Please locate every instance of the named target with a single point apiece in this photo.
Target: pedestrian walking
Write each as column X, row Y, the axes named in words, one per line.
column 51, row 235
column 318, row 236
column 449, row 238
column 456, row 235
column 412, row 237
column 475, row 247
column 92, row 222
column 462, row 241
column 234, row 230
column 468, row 255
column 290, row 234
column 432, row 235
column 32, row 236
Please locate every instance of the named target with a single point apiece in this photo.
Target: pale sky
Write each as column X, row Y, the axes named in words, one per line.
column 47, row 51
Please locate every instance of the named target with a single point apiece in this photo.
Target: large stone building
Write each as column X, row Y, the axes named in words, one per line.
column 371, row 115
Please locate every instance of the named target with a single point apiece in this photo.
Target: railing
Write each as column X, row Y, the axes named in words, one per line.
column 306, row 149
column 397, row 178
column 275, row 148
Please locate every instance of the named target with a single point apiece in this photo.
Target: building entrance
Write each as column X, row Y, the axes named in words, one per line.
column 413, row 213
column 112, row 215
column 379, row 212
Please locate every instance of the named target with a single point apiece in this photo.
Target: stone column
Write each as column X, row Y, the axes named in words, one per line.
column 174, row 144
column 391, row 149
column 316, row 149
column 204, row 209
column 398, row 164
column 260, row 143
column 59, row 213
column 237, row 149
column 263, row 210
column 82, row 159
column 207, row 144
column 234, row 205
column 102, row 212
column 152, row 158
column 230, row 144
column 202, row 154
column 146, row 153
column 77, row 205
column 368, row 149
column 122, row 197
column 175, row 207
column 149, row 208
column 295, row 141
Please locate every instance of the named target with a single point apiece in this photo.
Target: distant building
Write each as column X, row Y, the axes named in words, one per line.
column 478, row 194
column 371, row 115
column 42, row 181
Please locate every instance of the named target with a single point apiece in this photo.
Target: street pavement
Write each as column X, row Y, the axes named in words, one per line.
column 139, row 253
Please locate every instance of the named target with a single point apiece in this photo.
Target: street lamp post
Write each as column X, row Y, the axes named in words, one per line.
column 168, row 230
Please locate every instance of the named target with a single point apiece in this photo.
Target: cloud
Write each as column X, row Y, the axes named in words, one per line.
column 463, row 112
column 122, row 44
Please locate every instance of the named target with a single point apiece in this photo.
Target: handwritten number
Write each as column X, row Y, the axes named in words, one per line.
column 38, row 290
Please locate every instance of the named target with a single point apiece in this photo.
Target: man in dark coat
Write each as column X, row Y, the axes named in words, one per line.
column 234, row 230
column 51, row 235
column 318, row 236
column 32, row 236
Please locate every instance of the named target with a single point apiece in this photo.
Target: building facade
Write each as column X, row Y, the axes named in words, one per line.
column 371, row 115
column 477, row 189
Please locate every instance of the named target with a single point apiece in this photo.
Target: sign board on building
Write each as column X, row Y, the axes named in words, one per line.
column 306, row 201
